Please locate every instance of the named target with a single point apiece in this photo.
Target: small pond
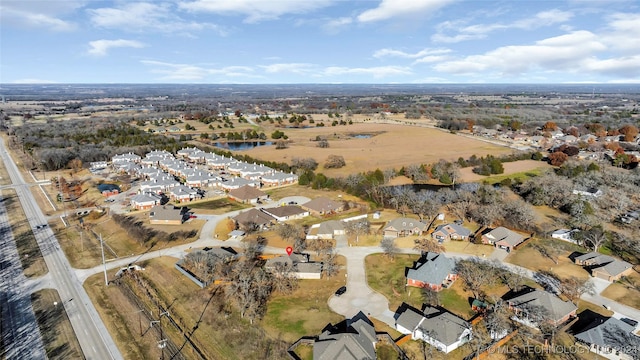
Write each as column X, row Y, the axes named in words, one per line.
column 362, row 136
column 108, row 187
column 242, row 145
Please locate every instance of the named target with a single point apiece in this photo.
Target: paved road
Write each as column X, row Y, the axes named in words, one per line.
column 94, row 339
column 20, row 333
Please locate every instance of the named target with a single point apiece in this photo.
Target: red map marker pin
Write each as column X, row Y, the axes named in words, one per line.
column 289, row 250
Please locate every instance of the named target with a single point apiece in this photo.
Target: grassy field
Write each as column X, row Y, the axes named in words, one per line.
column 33, row 263
column 82, row 247
column 217, row 206
column 221, row 334
column 57, row 333
column 516, row 170
column 622, row 291
column 4, row 175
column 529, row 257
column 381, row 151
column 304, row 312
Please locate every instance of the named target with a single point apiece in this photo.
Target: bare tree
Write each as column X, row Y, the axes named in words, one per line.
column 288, row 232
column 389, row 247
column 323, row 143
column 430, row 297
column 320, row 246
column 515, row 278
column 334, row 162
column 357, row 228
column 573, row 288
column 476, row 274
column 285, row 280
column 427, row 244
column 624, row 341
column 596, row 237
column 329, row 264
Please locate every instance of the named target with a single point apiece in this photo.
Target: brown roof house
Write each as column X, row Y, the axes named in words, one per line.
column 352, row 339
column 604, row 266
column 166, row 215
column 435, row 326
column 253, row 219
column 323, row 206
column 533, row 306
column 451, row 231
column 287, row 212
column 434, row 271
column 247, row 194
column 503, row 238
column 404, row 227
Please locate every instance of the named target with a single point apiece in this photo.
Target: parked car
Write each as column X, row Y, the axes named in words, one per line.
column 631, row 322
column 341, row 290
column 293, row 203
column 192, row 216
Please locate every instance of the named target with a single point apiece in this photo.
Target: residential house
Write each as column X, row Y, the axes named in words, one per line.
column 564, row 235
column 278, row 178
column 98, row 165
column 201, row 179
column 323, row 206
column 404, row 227
column 326, row 230
column 435, row 326
column 598, row 336
column 604, row 266
column 434, row 271
column 182, row 194
column 166, row 215
column 145, row 201
column 247, row 194
column 299, row 264
column 287, row 212
column 229, row 184
column 125, row 158
column 503, row 238
column 533, row 306
column 452, row 231
column 352, row 339
column 254, row 219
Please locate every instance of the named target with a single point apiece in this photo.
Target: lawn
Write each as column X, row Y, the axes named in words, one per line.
column 624, row 292
column 60, row 341
column 517, row 170
column 4, row 175
column 217, row 206
column 30, row 256
column 388, row 278
column 304, row 312
column 529, row 257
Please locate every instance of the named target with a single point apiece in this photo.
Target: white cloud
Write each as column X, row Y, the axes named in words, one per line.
column 561, row 53
column 101, row 47
column 623, row 33
column 388, row 9
column 33, row 81
column 190, row 72
column 295, row 68
column 335, row 25
column 37, row 14
column 141, row 17
column 376, row 72
column 480, row 31
column 401, row 54
column 255, row 10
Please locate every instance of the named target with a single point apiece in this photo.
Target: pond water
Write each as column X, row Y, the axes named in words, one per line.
column 243, row 145
column 108, row 187
column 362, row 136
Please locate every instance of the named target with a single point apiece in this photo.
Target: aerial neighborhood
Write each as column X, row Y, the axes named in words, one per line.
column 322, row 237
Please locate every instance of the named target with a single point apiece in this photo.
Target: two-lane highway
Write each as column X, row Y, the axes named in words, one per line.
column 94, row 339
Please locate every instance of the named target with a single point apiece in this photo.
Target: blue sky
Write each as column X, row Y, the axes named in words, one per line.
column 319, row 41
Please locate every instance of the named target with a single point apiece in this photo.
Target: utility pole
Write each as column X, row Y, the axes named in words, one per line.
column 104, row 264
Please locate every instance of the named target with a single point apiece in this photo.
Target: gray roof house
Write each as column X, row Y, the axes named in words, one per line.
column 435, row 326
column 503, row 238
column 604, row 266
column 322, row 206
column 433, row 271
column 326, row 230
column 254, row 218
column 404, row 227
column 531, row 304
column 354, row 338
column 598, row 335
column 287, row 212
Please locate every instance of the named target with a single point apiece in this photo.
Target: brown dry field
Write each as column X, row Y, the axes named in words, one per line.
column 393, row 146
column 467, row 174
